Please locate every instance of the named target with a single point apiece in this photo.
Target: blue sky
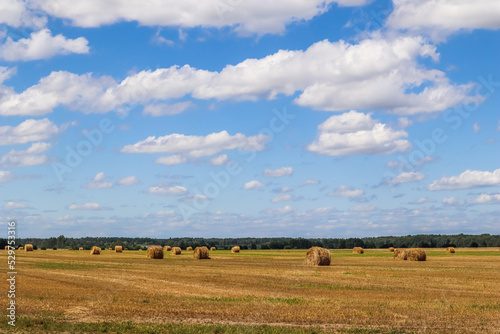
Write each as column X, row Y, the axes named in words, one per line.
column 229, row 118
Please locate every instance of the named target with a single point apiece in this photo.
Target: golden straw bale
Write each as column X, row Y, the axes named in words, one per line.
column 118, row 249
column 155, row 252
column 357, row 250
column 6, row 247
column 20, row 248
column 213, row 248
column 400, row 254
column 235, row 249
column 317, row 256
column 189, row 248
column 81, row 248
column 95, row 250
column 391, row 249
column 167, row 249
column 28, row 248
column 176, row 251
column 201, row 253
column 416, row 254
column 450, row 250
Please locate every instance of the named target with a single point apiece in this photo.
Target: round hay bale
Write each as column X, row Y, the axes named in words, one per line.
column 400, row 254
column 201, row 253
column 6, row 247
column 416, row 254
column 235, row 249
column 28, row 248
column 213, row 248
column 118, row 249
column 357, row 250
column 189, row 248
column 450, row 250
column 317, row 256
column 391, row 249
column 81, row 248
column 176, row 251
column 20, row 248
column 167, row 249
column 155, row 252
column 95, row 250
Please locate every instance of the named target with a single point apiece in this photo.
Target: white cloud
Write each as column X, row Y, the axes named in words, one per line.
column 468, row 179
column 41, row 45
column 253, row 185
column 99, row 176
column 168, row 190
column 162, row 109
column 87, row 207
column 406, row 177
column 282, row 198
column 254, row 17
column 14, row 205
column 219, row 160
column 309, row 182
column 283, row 171
column 452, row 201
column 333, row 76
column 29, row 157
column 279, row 211
column 438, row 18
column 346, row 191
column 183, row 147
column 171, row 160
column 14, row 13
column 283, row 190
column 476, row 128
column 487, row 199
column 98, row 185
column 338, row 136
column 27, row 131
column 128, row 181
column 422, row 200
column 6, row 176
column 363, row 208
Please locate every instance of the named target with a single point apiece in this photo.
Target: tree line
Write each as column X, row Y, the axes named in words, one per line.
column 409, row 241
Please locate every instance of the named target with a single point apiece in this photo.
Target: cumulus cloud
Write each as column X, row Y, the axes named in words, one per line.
column 476, row 128
column 128, row 181
column 280, row 211
column 334, row 76
column 282, row 198
column 41, row 45
column 253, row 185
column 439, row 18
column 346, row 191
column 88, row 207
column 452, row 201
column 6, row 176
column 309, row 182
column 487, row 199
column 468, row 179
column 406, row 177
column 15, row 13
column 183, row 147
column 163, row 109
column 254, row 17
column 98, row 185
column 28, row 131
column 219, row 160
column 283, row 171
column 15, row 205
column 99, row 176
column 29, row 157
column 339, row 136
column 168, row 190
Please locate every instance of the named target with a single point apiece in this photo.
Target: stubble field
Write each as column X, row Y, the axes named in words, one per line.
column 261, row 291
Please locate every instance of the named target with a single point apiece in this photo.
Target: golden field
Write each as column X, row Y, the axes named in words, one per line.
column 268, row 291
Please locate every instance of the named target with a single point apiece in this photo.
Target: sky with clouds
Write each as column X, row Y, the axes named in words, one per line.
column 231, row 118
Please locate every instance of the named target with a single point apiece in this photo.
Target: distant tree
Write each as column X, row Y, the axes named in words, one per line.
column 253, row 246
column 474, row 244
